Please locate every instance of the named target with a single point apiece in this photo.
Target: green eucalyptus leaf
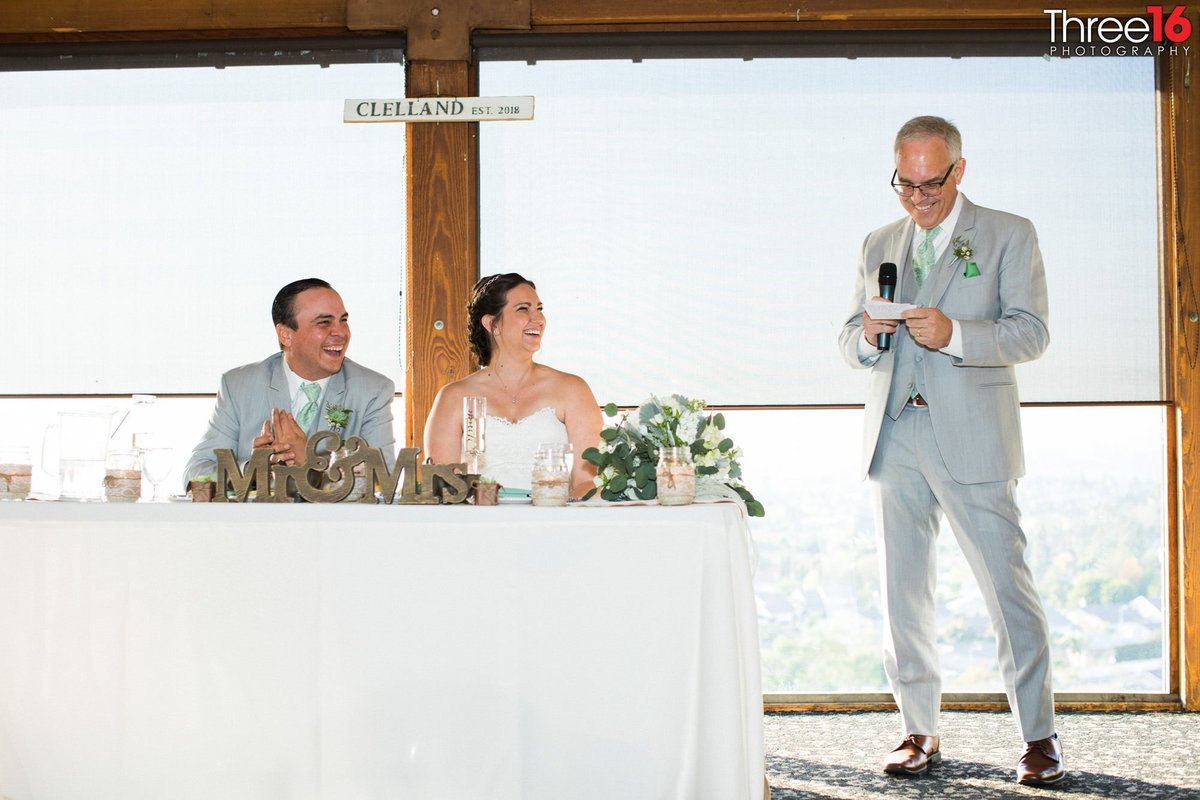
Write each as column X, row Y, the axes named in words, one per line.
column 608, row 434
column 590, row 493
column 719, row 421
column 611, row 409
column 593, row 456
column 725, row 445
column 619, row 483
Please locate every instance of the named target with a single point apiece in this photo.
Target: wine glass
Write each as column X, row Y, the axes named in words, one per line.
column 156, row 466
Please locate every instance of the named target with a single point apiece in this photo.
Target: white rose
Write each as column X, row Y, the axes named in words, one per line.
column 712, row 436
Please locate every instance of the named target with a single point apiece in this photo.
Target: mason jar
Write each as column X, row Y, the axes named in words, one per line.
column 676, row 476
column 551, row 484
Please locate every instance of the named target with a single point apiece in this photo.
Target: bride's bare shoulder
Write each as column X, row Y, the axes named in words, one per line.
column 568, row 388
column 560, row 379
column 456, row 390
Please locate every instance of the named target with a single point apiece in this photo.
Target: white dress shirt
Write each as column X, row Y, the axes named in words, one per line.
column 299, row 398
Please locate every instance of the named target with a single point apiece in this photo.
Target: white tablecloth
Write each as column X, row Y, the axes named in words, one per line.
column 277, row 652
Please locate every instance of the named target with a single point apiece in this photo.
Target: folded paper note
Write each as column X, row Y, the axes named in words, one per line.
column 882, row 309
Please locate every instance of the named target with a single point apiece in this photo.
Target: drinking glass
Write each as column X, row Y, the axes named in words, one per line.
column 156, row 466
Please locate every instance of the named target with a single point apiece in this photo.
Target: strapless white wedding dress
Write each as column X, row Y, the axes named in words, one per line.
column 508, row 457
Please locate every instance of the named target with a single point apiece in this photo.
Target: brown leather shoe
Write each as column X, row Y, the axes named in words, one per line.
column 913, row 755
column 1042, row 763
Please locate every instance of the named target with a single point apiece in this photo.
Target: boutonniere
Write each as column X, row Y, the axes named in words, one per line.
column 337, row 417
column 963, row 252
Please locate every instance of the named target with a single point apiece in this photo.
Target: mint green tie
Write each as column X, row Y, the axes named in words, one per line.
column 307, row 414
column 923, row 261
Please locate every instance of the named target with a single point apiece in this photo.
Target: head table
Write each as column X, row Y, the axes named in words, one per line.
column 359, row 651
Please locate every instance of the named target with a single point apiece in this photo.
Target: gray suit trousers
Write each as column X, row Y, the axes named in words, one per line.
column 911, row 488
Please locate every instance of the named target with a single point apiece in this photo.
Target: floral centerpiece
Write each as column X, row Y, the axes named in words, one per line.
column 628, row 452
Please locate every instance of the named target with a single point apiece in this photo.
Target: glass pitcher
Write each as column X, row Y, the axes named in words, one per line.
column 75, row 449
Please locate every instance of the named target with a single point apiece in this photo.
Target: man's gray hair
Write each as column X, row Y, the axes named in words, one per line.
column 919, row 128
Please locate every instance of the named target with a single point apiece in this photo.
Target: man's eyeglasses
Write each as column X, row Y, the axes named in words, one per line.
column 928, row 189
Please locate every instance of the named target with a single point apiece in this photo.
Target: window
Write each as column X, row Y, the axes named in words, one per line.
column 693, row 226
column 152, row 214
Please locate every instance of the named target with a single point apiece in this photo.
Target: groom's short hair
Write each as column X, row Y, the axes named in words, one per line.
column 283, row 309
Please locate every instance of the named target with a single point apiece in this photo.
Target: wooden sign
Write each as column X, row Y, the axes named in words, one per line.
column 322, row 479
column 438, row 109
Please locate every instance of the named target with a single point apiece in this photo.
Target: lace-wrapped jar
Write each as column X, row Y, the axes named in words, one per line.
column 16, row 473
column 551, row 475
column 676, row 477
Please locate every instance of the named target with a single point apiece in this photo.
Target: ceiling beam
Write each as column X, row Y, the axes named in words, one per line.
column 446, row 30
column 438, row 31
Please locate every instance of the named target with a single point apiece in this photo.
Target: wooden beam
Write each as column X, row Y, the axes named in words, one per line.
column 964, row 12
column 101, row 16
column 447, row 32
column 443, row 213
column 1179, row 93
column 438, row 31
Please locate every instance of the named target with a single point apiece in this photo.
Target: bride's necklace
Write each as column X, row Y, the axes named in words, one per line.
column 512, row 394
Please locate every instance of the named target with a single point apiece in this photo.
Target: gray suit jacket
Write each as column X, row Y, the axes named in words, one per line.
column 1003, row 311
column 248, row 394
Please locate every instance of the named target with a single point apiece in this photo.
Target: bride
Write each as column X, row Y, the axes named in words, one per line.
column 528, row 403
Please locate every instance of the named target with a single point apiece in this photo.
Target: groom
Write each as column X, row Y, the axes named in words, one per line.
column 942, row 435
column 281, row 401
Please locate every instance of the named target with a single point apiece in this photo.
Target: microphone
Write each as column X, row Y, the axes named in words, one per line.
column 887, row 290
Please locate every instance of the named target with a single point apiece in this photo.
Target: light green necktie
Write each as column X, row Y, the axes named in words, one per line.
column 923, row 261
column 307, row 414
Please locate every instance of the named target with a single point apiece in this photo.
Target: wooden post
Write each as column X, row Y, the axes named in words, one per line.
column 1179, row 92
column 443, row 185
column 443, row 251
